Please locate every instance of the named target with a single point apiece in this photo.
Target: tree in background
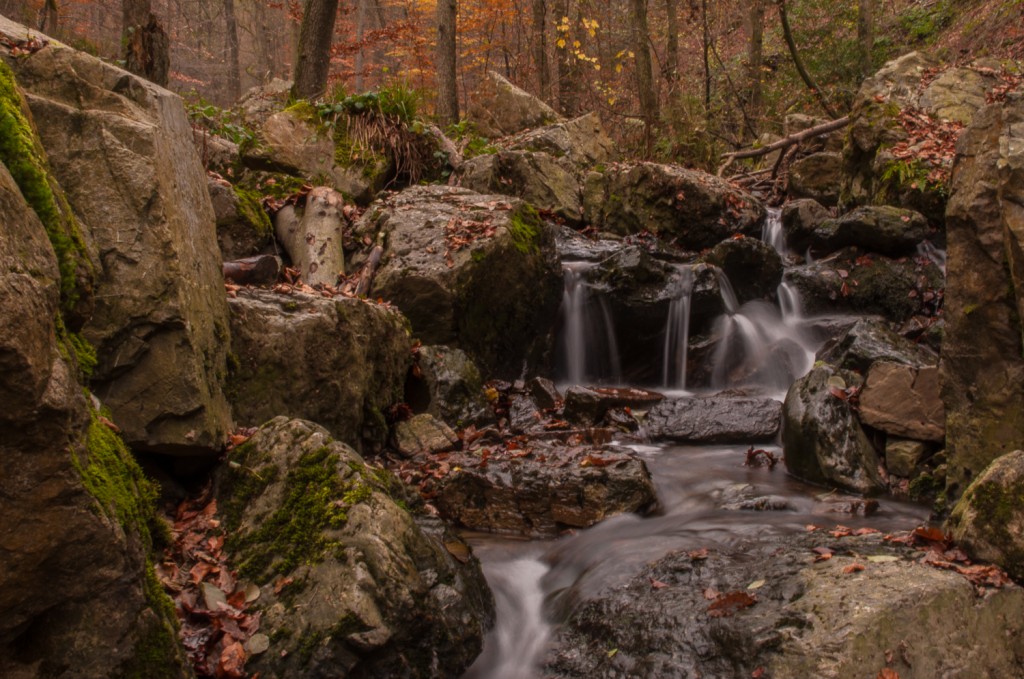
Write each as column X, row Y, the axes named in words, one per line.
column 146, row 46
column 644, row 70
column 866, row 34
column 313, row 64
column 447, row 92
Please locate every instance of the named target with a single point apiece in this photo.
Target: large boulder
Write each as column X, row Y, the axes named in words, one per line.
column 903, row 401
column 78, row 593
column 801, row 217
column 982, row 363
column 581, row 141
column 542, row 180
column 341, row 362
column 693, row 208
column 753, row 267
column 243, row 227
column 988, row 521
column 121, row 148
column 817, row 177
column 476, row 271
column 715, row 419
column 868, row 341
column 499, row 108
column 766, row 607
column 823, row 439
column 883, row 229
column 447, row 384
column 351, row 584
column 544, row 489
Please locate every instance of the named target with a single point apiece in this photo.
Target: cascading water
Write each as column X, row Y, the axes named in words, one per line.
column 677, row 331
column 771, row 232
column 588, row 351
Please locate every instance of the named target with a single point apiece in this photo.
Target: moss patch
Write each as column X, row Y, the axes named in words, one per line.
column 524, row 225
column 21, row 152
column 251, row 210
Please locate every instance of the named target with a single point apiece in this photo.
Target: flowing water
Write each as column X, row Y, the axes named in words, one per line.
column 677, row 331
column 771, row 232
column 690, row 481
column 587, row 349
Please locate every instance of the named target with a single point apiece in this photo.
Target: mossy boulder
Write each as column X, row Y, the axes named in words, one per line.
column 822, row 437
column 341, row 361
column 982, row 364
column 817, row 176
column 581, row 141
column 470, row 270
column 78, row 593
column 988, row 521
column 121, row 148
column 243, row 226
column 351, row 583
column 694, row 209
column 545, row 181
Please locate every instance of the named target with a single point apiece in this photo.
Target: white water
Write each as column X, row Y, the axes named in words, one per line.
column 677, row 332
column 934, row 254
column 588, row 351
column 771, row 232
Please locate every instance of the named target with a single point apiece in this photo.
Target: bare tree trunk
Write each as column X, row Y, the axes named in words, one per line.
column 540, row 48
column 787, row 33
column 671, row 68
column 755, row 56
column 706, row 40
column 866, row 34
column 49, row 18
column 644, row 72
column 361, row 50
column 234, row 68
column 314, row 61
column 146, row 47
column 568, row 72
column 447, row 83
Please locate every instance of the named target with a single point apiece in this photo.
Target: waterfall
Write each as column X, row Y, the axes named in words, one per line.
column 760, row 344
column 677, row 331
column 936, row 256
column 771, row 232
column 587, row 348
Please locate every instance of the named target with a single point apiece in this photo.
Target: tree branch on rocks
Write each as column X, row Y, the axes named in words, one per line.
column 785, row 142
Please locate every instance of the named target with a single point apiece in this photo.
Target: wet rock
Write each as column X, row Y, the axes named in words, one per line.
column 817, row 177
column 494, row 297
column 74, row 545
column 754, row 268
column 243, row 228
column 342, row 361
column 542, row 180
column 800, row 218
column 544, row 392
column 869, row 341
column 883, row 229
column 695, row 209
column 543, row 490
column 804, row 619
column 903, row 455
column 523, row 414
column 823, row 440
column 587, row 405
column 988, row 521
column 121, row 148
column 350, row 583
column 851, row 280
column 846, row 504
column 424, row 434
column 904, row 401
column 575, row 247
column 715, row 419
column 744, row 497
column 499, row 108
column 448, row 387
column 982, row 367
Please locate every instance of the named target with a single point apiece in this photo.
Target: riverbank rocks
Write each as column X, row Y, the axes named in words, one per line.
column 753, row 267
column 78, row 593
column 817, row 177
column 801, row 217
column 866, row 283
column 424, row 433
column 499, row 108
column 547, row 488
column 868, row 341
column 542, row 180
column 342, row 361
column 475, row 271
column 768, row 607
column 903, row 401
column 988, row 521
column 121, row 148
column 884, row 229
column 982, row 367
column 351, row 584
column 822, row 437
column 695, row 209
column 447, row 384
column 720, row 418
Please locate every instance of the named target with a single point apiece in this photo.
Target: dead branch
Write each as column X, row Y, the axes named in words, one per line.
column 794, row 138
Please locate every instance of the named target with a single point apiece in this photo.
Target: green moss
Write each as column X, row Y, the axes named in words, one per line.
column 524, row 226
column 85, row 353
column 996, row 508
column 250, row 208
column 21, row 152
column 156, row 654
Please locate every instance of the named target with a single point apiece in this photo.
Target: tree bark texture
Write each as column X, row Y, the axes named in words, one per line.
column 671, row 68
column 312, row 236
column 540, row 48
column 866, row 34
column 755, row 55
column 146, row 46
column 447, row 82
column 644, row 72
column 568, row 71
column 49, row 18
column 314, row 58
column 234, row 67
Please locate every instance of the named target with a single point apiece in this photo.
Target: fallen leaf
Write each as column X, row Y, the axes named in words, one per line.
column 232, row 662
column 698, row 554
column 883, row 558
column 458, row 549
column 853, row 568
column 888, row 673
column 727, row 604
column 756, row 584
column 658, row 584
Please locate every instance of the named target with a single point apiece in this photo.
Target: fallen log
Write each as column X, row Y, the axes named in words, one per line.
column 369, row 269
column 260, row 270
column 312, row 236
column 785, row 142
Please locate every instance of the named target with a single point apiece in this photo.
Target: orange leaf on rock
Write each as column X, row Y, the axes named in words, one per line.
column 232, row 661
column 853, row 568
column 727, row 604
column 888, row 673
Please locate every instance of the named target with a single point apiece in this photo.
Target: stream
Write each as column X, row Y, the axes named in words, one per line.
column 691, row 481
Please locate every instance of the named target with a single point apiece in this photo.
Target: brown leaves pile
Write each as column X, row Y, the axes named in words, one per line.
column 759, row 457
column 930, row 142
column 19, row 48
column 210, row 602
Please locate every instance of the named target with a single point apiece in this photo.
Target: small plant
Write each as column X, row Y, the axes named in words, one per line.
column 226, row 123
